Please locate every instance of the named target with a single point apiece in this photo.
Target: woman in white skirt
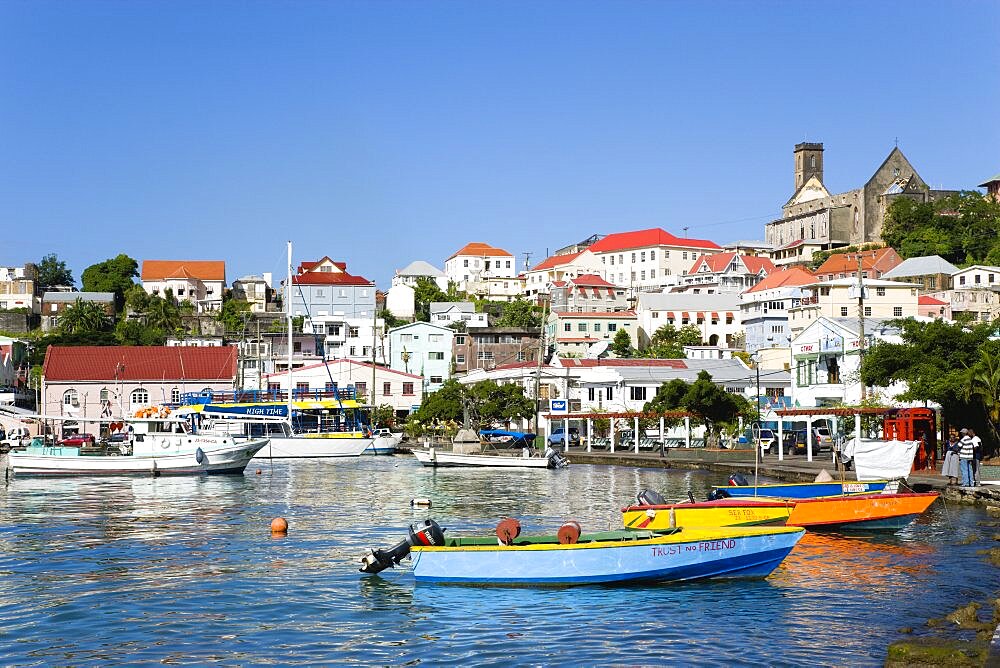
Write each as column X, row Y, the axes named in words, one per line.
column 950, row 468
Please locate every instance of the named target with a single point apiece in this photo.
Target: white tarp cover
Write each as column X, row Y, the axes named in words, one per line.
column 876, row 459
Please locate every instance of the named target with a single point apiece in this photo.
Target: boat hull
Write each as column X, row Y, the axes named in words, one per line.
column 804, row 490
column 447, row 459
column 298, row 447
column 382, row 445
column 688, row 554
column 887, row 512
column 722, row 513
column 232, row 459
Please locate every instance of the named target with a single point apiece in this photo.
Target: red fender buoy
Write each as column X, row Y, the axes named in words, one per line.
column 569, row 533
column 508, row 530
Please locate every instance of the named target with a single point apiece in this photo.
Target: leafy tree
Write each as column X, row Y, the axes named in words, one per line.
column 668, row 342
column 162, row 312
column 383, row 415
column 984, row 385
column 621, row 345
column 486, row 403
column 936, row 361
column 129, row 332
column 390, row 320
column 136, row 298
column 520, row 313
column 82, row 317
column 424, row 292
column 114, row 275
column 52, row 272
column 234, row 314
column 711, row 404
column 962, row 228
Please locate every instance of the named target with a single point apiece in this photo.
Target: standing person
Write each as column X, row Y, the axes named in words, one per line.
column 977, row 457
column 951, row 466
column 965, row 455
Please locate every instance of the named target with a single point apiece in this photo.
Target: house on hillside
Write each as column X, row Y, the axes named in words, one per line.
column 575, row 333
column 449, row 313
column 932, row 272
column 588, row 292
column 725, row 273
column 560, row 268
column 646, row 260
column 55, row 303
column 201, row 282
column 411, row 273
column 255, row 290
column 100, row 382
column 325, row 288
column 764, row 308
column 839, row 299
column 874, row 263
column 19, row 289
column 484, row 271
column 424, row 349
column 716, row 316
column 490, row 347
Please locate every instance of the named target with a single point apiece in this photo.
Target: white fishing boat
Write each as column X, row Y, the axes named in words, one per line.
column 150, row 447
column 525, row 458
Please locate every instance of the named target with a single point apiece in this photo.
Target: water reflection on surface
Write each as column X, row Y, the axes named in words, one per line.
column 184, row 570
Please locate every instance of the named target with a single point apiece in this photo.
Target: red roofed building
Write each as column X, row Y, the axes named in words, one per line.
column 933, row 308
column 726, row 273
column 485, row 271
column 588, row 292
column 764, row 307
column 114, row 381
column 561, row 267
column 874, row 263
column 574, row 332
column 200, row 282
column 648, row 259
column 325, row 289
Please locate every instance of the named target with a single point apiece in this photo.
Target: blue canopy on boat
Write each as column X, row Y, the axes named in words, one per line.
column 507, row 437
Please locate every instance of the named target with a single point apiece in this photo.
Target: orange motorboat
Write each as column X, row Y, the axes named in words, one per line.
column 863, row 511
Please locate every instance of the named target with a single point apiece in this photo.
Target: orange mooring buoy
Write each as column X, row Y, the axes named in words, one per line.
column 279, row 526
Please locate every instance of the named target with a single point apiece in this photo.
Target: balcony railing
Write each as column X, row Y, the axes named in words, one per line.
column 267, row 396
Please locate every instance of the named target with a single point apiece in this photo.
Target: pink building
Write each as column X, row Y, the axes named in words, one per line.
column 933, row 308
column 93, row 382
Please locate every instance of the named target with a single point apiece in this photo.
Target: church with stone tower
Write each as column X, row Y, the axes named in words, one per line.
column 814, row 217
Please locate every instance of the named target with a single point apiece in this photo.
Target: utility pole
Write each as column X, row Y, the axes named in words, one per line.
column 527, row 260
column 861, row 327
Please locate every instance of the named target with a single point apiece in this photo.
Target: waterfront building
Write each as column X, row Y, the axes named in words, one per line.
column 827, row 355
column 344, row 337
column 255, row 290
column 874, row 263
column 764, row 308
column 325, row 288
column 201, row 282
column 647, row 260
column 853, row 217
column 839, row 299
column 450, row 313
column 55, row 303
column 933, row 273
column 717, row 316
column 588, row 292
column 424, row 349
column 90, row 382
column 484, row 271
column 573, row 333
column 373, row 385
column 19, row 289
column 490, row 347
column 560, row 267
column 725, row 273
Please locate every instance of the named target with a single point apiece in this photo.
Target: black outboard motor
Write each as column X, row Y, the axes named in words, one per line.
column 717, row 494
column 556, row 460
column 422, row 533
column 648, row 497
column 737, row 480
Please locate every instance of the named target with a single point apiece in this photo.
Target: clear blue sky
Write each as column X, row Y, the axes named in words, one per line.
column 383, row 132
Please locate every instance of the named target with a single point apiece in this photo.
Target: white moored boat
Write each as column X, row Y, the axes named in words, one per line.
column 524, row 459
column 154, row 447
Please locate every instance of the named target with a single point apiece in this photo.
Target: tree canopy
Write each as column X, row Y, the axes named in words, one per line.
column 521, row 314
column 81, row 316
column 668, row 342
column 426, row 291
column 962, row 228
column 52, row 272
column 710, row 403
column 234, row 314
column 113, row 275
column 950, row 364
column 621, row 345
column 487, row 403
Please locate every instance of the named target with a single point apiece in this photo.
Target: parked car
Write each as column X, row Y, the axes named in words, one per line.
column 78, row 440
column 766, row 439
column 558, row 437
column 795, row 441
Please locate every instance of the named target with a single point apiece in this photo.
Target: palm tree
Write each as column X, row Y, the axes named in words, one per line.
column 984, row 384
column 82, row 317
column 163, row 313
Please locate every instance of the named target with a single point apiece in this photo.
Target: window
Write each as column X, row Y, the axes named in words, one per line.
column 642, row 256
column 610, row 393
column 612, row 326
column 459, row 359
column 637, row 393
column 843, row 311
column 612, row 260
column 621, row 259
column 274, row 387
column 652, row 255
column 70, row 398
column 633, row 275
column 633, row 258
column 406, row 338
column 139, row 397
column 301, row 388
column 360, row 389
column 961, row 280
column 976, row 279
column 590, row 394
column 354, row 351
column 175, row 395
column 642, row 275
column 329, row 387
column 485, row 356
column 656, row 314
column 880, row 292
column 460, row 340
column 568, row 327
column 522, row 356
column 868, row 311
column 435, row 355
column 508, row 264
column 437, row 380
column 297, row 346
column 352, row 332
column 386, row 389
column 597, row 326
column 581, row 327
column 465, row 263
column 991, row 278
column 897, row 311
column 407, row 389
column 684, row 255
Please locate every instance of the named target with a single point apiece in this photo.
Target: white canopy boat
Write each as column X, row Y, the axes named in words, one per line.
column 152, row 447
column 526, row 458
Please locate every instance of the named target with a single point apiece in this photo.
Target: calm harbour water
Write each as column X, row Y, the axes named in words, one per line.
column 184, row 571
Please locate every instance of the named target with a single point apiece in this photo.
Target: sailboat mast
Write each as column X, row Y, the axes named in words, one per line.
column 288, row 316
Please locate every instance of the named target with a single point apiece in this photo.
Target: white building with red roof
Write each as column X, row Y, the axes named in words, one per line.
column 485, row 271
column 324, row 289
column 725, row 273
column 716, row 316
column 648, row 259
column 764, row 308
column 201, row 282
column 560, row 267
column 93, row 382
column 588, row 292
column 573, row 333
